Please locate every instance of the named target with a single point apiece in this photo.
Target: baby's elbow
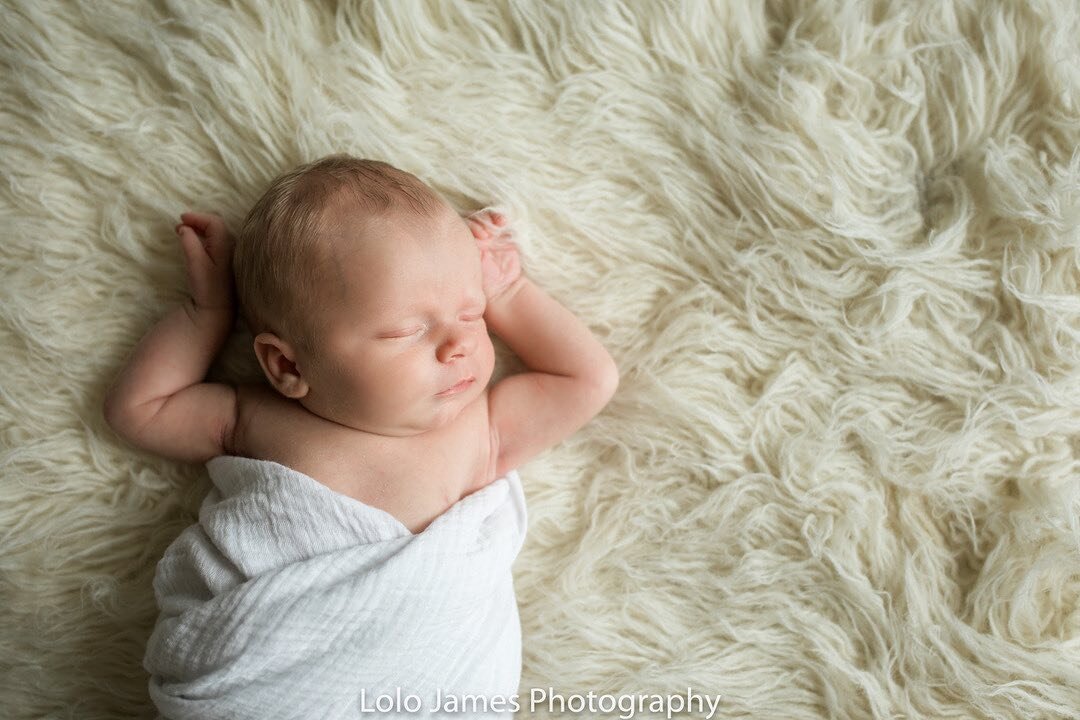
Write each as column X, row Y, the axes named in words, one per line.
column 112, row 413
column 120, row 421
column 122, row 418
column 612, row 380
column 607, row 381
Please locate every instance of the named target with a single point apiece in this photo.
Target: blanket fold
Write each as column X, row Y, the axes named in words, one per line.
column 290, row 600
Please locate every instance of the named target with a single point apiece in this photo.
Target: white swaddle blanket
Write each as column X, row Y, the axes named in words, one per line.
column 288, row 599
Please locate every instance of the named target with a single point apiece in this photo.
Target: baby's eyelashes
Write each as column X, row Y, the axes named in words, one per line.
column 402, row 333
column 410, row 333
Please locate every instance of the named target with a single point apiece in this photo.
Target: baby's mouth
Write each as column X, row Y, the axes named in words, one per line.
column 454, row 390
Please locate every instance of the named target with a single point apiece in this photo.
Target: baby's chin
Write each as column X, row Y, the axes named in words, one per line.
column 444, row 414
column 426, row 415
column 450, row 409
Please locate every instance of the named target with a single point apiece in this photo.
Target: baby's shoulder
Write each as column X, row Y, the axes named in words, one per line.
column 265, row 422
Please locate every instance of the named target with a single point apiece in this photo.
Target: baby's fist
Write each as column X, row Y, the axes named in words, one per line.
column 208, row 254
column 500, row 260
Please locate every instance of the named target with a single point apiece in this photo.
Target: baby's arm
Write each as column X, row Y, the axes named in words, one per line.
column 572, row 375
column 159, row 402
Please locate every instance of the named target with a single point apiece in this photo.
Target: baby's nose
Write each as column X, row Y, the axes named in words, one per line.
column 458, row 343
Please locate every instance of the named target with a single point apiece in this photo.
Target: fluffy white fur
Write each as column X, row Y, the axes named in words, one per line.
column 834, row 248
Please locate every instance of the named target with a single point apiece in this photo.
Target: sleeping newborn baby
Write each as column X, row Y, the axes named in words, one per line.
column 353, row 556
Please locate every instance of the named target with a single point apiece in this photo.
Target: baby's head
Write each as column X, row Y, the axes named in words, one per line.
column 364, row 292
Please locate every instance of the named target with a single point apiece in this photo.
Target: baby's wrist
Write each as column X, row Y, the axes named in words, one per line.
column 209, row 311
column 506, row 295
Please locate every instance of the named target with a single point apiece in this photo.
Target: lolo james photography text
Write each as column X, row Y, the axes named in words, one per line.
column 626, row 704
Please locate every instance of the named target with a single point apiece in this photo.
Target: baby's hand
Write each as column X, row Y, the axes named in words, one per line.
column 499, row 257
column 208, row 253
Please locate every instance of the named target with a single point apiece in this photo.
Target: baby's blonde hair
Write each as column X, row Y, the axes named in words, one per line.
column 279, row 255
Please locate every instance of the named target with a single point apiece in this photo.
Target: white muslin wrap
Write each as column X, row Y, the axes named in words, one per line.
column 288, row 599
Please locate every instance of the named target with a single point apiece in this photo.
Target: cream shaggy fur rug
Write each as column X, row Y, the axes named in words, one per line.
column 833, row 246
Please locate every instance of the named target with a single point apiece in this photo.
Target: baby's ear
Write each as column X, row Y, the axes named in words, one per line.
column 278, row 361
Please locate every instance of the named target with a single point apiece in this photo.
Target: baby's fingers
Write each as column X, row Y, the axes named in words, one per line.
column 479, row 231
column 490, row 225
column 194, row 250
column 205, row 224
column 218, row 242
column 200, row 221
column 208, row 281
column 488, row 215
column 196, row 260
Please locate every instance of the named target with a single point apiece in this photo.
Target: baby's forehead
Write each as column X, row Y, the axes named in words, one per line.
column 393, row 228
column 394, row 264
column 397, row 250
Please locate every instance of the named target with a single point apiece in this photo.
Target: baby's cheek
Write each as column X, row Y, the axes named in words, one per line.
column 401, row 373
column 487, row 349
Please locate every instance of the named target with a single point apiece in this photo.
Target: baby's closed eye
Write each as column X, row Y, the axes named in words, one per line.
column 416, row 330
column 403, row 334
